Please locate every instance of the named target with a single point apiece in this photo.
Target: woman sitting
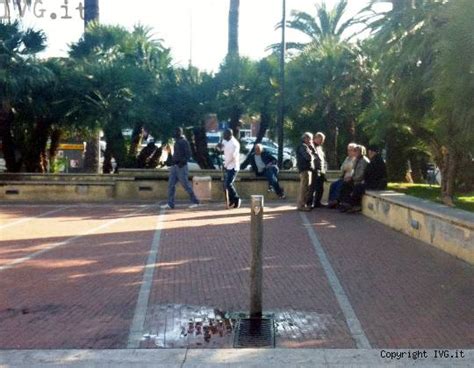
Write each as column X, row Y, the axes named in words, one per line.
column 352, row 191
column 346, row 175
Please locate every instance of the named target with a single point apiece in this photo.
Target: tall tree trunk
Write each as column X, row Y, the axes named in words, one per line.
column 53, row 147
column 91, row 11
column 201, row 153
column 92, row 155
column 448, row 175
column 265, row 120
column 136, row 141
column 8, row 143
column 36, row 151
column 115, row 148
column 233, row 42
column 235, row 124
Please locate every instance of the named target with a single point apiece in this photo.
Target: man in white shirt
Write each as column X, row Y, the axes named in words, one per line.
column 231, row 147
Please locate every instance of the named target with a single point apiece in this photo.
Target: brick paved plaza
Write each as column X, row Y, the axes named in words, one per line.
column 75, row 277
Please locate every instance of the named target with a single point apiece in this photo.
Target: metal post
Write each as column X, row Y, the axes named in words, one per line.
column 281, row 112
column 256, row 274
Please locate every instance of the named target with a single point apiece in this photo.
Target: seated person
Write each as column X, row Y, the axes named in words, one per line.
column 353, row 190
column 376, row 173
column 149, row 157
column 346, row 174
column 264, row 164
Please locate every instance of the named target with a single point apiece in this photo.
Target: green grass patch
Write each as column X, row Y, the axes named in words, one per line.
column 464, row 201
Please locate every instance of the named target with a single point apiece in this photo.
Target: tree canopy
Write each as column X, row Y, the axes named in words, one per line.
column 407, row 86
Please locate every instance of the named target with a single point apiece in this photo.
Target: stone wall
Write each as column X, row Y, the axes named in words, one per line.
column 446, row 228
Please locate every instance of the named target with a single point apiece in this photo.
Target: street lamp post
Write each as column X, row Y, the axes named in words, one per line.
column 281, row 115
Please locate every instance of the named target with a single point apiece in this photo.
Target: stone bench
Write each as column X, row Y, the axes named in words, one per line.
column 446, row 228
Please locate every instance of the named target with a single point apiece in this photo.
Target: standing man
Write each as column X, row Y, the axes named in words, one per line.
column 231, row 147
column 319, row 171
column 179, row 169
column 305, row 164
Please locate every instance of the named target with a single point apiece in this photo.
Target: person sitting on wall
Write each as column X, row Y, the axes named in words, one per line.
column 353, row 190
column 264, row 164
column 346, row 175
column 376, row 173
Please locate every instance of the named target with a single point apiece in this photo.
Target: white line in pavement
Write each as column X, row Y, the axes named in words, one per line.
column 67, row 241
column 353, row 322
column 136, row 330
column 26, row 219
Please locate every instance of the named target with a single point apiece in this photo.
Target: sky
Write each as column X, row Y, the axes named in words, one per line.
column 193, row 29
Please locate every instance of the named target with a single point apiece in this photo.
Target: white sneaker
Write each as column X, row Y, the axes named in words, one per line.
column 194, row 205
column 166, row 207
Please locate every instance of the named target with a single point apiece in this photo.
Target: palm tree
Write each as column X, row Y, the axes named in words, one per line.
column 233, row 42
column 454, row 93
column 326, row 24
column 92, row 155
column 91, row 11
column 17, row 57
column 127, row 69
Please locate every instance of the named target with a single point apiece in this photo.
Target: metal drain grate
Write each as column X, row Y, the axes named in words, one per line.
column 254, row 333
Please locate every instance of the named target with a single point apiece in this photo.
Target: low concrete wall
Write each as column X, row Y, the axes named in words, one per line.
column 446, row 228
column 443, row 227
column 130, row 185
column 56, row 191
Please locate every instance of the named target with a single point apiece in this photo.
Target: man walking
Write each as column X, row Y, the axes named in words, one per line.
column 231, row 147
column 305, row 164
column 179, row 170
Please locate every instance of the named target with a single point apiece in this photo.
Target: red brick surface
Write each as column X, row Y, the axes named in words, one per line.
column 204, row 261
column 83, row 294
column 405, row 293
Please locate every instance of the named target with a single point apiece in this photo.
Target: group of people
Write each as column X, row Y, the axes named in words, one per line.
column 360, row 171
column 262, row 162
column 311, row 164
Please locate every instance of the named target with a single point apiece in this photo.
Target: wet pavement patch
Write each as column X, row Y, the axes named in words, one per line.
column 182, row 326
column 186, row 326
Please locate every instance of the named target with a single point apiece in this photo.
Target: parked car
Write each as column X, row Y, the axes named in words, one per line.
column 266, row 142
column 289, row 162
column 213, row 139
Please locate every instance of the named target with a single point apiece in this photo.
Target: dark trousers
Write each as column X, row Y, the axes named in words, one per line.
column 352, row 193
column 230, row 186
column 271, row 173
column 335, row 190
column 317, row 189
column 357, row 193
column 179, row 174
column 346, row 191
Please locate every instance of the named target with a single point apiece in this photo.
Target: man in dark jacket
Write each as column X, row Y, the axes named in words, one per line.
column 264, row 164
column 305, row 164
column 319, row 171
column 374, row 178
column 179, row 170
column 376, row 172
